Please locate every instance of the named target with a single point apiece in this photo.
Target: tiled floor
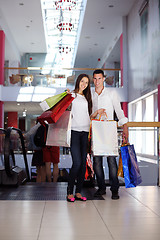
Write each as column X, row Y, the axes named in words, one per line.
column 135, row 216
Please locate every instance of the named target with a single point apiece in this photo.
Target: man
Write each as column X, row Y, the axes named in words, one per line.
column 106, row 101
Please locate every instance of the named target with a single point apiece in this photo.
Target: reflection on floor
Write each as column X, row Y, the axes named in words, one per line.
column 136, row 215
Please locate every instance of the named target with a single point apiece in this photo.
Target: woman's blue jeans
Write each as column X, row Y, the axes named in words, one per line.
column 79, row 141
column 98, row 169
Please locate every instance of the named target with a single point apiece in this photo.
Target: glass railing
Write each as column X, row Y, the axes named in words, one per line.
column 145, row 136
column 33, row 77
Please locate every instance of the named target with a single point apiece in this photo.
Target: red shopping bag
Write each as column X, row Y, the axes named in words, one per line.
column 89, row 174
column 52, row 115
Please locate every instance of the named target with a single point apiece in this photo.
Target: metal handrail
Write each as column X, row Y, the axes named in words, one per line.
column 143, row 124
column 7, row 151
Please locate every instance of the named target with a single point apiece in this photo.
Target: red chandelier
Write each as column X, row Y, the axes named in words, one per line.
column 65, row 49
column 65, row 26
column 65, row 4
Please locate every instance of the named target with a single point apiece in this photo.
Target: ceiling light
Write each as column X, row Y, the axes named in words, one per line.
column 24, row 114
column 34, row 68
column 65, row 26
column 65, row 49
column 65, row 4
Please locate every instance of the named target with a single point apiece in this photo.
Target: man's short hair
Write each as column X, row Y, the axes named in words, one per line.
column 98, row 71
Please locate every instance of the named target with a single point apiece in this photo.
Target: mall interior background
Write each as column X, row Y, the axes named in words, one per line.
column 138, row 81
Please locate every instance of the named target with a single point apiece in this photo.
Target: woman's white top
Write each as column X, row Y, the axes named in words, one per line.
column 109, row 100
column 79, row 113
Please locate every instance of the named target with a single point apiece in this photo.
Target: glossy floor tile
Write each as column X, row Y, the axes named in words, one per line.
column 136, row 215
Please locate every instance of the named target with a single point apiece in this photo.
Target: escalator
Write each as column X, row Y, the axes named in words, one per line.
column 10, row 174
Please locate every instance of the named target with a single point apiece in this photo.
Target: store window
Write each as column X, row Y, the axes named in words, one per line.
column 138, row 134
column 144, row 109
column 149, row 133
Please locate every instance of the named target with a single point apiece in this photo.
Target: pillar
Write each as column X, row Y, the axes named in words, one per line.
column 1, row 114
column 125, row 108
column 2, row 57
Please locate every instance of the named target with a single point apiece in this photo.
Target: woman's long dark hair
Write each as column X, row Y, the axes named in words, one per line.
column 86, row 92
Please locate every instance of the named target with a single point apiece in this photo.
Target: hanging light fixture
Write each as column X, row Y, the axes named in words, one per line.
column 65, row 4
column 65, row 49
column 66, row 26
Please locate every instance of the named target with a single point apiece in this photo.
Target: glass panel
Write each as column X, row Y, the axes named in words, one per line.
column 149, row 118
column 144, row 28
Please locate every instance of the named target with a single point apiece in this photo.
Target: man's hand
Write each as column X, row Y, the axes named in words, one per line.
column 125, row 134
column 100, row 111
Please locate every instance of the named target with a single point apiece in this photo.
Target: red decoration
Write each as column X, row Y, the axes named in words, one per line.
column 65, row 4
column 65, row 49
column 66, row 26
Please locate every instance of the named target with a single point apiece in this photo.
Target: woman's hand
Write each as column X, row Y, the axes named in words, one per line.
column 101, row 111
column 68, row 90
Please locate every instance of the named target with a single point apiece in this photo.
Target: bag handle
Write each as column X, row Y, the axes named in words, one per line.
column 125, row 142
column 101, row 116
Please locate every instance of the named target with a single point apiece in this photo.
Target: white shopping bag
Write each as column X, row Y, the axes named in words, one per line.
column 59, row 133
column 104, row 138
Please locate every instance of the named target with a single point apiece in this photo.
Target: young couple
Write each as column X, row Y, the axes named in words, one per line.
column 85, row 107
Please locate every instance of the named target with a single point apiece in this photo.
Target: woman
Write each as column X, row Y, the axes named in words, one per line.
column 51, row 154
column 81, row 110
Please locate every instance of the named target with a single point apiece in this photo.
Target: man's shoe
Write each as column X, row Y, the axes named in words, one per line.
column 100, row 192
column 115, row 195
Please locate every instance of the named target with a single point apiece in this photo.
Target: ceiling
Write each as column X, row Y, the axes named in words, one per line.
column 22, row 22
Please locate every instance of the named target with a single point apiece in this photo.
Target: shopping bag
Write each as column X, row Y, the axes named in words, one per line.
column 104, row 140
column 89, row 174
column 120, row 167
column 59, row 133
column 120, row 164
column 52, row 115
column 131, row 170
column 51, row 101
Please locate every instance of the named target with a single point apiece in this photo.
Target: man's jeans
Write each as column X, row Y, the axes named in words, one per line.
column 98, row 169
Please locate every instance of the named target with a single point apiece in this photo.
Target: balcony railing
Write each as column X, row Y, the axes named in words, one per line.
column 31, row 76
